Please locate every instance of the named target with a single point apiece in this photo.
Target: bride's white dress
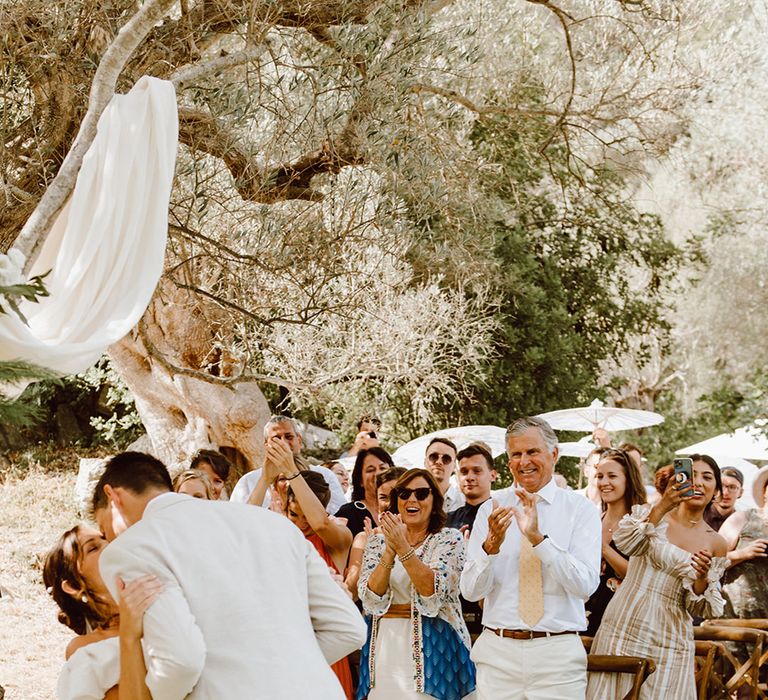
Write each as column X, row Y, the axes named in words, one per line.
column 91, row 671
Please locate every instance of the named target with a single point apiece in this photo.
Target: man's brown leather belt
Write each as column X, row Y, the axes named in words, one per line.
column 525, row 634
column 399, row 611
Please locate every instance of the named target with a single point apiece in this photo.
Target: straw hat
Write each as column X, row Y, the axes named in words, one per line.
column 758, row 486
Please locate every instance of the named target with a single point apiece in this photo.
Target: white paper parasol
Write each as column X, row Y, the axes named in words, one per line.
column 598, row 415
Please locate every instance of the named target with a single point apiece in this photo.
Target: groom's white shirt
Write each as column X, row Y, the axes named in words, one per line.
column 249, row 609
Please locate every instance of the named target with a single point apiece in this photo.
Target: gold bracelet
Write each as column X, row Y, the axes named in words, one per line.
column 410, row 553
column 385, row 565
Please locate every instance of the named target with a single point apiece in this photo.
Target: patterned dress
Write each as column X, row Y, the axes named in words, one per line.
column 426, row 656
column 651, row 613
column 745, row 586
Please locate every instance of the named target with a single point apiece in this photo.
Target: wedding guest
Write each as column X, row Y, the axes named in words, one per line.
column 106, row 655
column 254, row 489
column 385, row 482
column 418, row 644
column 725, row 505
column 534, row 556
column 676, row 561
column 621, row 487
column 308, row 494
column 341, row 474
column 364, row 501
column 205, row 634
column 590, row 491
column 476, row 476
column 194, row 483
column 366, row 437
column 216, row 466
column 440, row 459
column 745, row 585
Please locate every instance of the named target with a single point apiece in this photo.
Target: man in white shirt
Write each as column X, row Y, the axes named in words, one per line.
column 534, row 557
column 440, row 459
column 283, row 428
column 248, row 608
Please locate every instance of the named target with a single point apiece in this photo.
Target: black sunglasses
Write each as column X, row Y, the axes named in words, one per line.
column 437, row 457
column 421, row 494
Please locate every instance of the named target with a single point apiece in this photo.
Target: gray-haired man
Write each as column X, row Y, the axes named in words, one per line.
column 285, row 429
column 534, row 556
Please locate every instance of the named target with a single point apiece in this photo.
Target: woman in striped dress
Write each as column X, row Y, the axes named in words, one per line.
column 676, row 561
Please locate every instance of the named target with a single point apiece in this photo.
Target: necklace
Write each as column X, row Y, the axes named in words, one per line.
column 696, row 522
column 418, row 544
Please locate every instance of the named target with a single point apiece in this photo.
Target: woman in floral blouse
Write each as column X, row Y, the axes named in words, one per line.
column 418, row 644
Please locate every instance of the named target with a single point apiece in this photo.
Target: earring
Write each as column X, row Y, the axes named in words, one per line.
column 84, row 598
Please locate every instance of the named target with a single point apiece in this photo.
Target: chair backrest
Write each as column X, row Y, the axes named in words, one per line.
column 746, row 674
column 641, row 668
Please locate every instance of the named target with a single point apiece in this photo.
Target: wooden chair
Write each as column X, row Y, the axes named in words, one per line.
column 707, row 671
column 745, row 675
column 603, row 663
column 756, row 623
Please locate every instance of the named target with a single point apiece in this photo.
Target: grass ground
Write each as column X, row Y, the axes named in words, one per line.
column 36, row 506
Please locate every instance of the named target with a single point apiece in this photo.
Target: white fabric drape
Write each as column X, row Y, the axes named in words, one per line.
column 107, row 246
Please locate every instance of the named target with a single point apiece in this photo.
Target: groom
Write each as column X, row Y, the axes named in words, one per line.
column 249, row 610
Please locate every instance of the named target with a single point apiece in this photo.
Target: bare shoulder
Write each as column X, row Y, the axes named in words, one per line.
column 737, row 519
column 79, row 642
column 717, row 544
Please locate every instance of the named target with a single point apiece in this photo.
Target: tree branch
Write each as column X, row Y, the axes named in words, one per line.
column 103, row 88
column 481, row 109
column 181, row 77
column 201, row 131
column 155, row 354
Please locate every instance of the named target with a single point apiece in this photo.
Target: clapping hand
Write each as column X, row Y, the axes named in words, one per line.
column 498, row 521
column 527, row 516
column 134, row 600
column 369, row 528
column 394, row 532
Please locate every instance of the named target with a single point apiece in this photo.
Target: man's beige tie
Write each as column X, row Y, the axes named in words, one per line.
column 531, row 588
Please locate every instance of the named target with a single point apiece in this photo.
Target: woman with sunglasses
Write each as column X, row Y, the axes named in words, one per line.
column 676, row 561
column 364, row 504
column 620, row 486
column 418, row 644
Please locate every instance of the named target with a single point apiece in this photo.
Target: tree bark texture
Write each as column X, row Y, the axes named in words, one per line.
column 183, row 413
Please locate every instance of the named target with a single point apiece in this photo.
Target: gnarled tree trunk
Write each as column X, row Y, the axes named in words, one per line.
column 181, row 412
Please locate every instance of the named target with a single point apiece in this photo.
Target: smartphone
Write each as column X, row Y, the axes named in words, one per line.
column 372, row 434
column 684, row 472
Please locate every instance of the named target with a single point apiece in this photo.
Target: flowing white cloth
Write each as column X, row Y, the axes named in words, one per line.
column 106, row 248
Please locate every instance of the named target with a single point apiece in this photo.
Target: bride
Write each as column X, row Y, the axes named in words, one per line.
column 105, row 660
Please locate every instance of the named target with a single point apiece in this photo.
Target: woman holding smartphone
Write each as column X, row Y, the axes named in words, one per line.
column 676, row 561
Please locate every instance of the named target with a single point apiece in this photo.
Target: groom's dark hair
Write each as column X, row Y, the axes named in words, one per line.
column 135, row 471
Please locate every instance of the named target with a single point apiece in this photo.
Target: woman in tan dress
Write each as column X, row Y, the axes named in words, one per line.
column 676, row 561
